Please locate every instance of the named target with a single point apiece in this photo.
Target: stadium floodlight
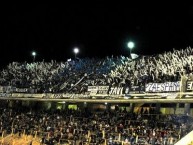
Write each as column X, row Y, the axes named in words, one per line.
column 130, row 45
column 76, row 51
column 34, row 55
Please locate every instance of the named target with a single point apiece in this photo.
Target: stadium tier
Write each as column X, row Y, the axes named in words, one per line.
column 165, row 72
column 79, row 84
column 34, row 125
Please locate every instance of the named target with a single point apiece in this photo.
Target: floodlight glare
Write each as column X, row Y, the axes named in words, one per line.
column 76, row 50
column 34, row 53
column 130, row 45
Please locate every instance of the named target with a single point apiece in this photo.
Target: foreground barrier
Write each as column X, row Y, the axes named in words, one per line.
column 186, row 139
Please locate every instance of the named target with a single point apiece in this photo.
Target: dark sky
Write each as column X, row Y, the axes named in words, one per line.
column 97, row 29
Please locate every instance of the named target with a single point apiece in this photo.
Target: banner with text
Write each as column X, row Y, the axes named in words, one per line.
column 162, row 87
column 189, row 86
column 116, row 91
column 136, row 90
column 106, row 90
column 103, row 90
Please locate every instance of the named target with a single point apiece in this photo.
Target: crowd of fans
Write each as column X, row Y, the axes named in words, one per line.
column 74, row 76
column 82, row 127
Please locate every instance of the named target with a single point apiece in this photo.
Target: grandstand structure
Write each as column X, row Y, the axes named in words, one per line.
column 162, row 78
column 163, row 82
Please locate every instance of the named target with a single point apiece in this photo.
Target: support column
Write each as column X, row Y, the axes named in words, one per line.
column 132, row 105
column 65, row 106
column 157, row 109
column 187, row 108
column 176, row 107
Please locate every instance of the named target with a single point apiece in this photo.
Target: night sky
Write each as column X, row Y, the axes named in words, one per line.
column 98, row 30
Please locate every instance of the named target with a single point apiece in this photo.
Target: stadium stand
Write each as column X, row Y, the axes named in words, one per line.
column 76, row 75
column 81, row 75
column 83, row 126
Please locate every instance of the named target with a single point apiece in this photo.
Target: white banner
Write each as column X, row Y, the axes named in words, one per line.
column 98, row 89
column 21, row 90
column 163, row 87
column 189, row 86
column 92, row 89
column 116, row 91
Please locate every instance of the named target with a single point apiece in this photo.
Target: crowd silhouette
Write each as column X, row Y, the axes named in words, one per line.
column 75, row 76
column 84, row 126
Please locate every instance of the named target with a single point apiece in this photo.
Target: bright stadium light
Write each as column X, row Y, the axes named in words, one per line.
column 76, row 51
column 130, row 45
column 34, row 55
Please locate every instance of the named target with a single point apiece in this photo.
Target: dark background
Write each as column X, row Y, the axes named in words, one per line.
column 98, row 30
